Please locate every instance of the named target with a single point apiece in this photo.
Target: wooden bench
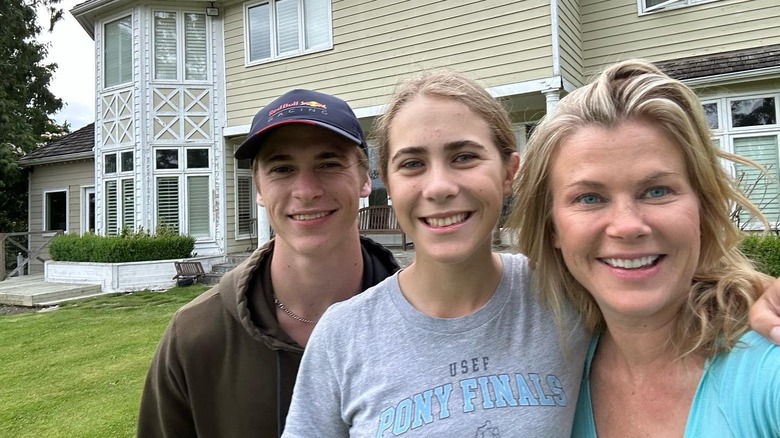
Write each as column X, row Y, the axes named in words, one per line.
column 189, row 270
column 379, row 219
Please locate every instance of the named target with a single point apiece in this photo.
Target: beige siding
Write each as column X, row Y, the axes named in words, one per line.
column 71, row 176
column 375, row 43
column 570, row 38
column 613, row 30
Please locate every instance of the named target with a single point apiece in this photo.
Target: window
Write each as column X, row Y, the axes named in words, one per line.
column 646, row 6
column 178, row 33
column 119, row 192
column 55, row 211
column 280, row 28
column 183, row 190
column 88, row 210
column 118, row 52
column 245, row 200
column 748, row 126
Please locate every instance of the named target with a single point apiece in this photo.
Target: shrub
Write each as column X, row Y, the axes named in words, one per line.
column 764, row 250
column 127, row 247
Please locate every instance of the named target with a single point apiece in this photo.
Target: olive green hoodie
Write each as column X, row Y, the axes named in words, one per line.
column 224, row 368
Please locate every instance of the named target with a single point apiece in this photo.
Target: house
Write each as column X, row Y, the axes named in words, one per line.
column 179, row 81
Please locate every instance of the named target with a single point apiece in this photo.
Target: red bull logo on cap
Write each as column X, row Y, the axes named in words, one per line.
column 298, row 104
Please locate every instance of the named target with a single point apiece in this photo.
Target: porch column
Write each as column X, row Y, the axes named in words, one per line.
column 552, row 96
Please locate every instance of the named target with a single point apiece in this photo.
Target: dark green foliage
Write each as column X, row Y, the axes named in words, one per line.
column 26, row 104
column 128, row 247
column 764, row 250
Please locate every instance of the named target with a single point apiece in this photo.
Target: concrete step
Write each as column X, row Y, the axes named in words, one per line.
column 32, row 290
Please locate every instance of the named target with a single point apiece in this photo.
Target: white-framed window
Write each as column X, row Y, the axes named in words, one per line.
column 246, row 210
column 748, row 126
column 282, row 28
column 650, row 6
column 180, row 46
column 119, row 191
column 118, row 52
column 87, row 209
column 55, row 210
column 183, row 189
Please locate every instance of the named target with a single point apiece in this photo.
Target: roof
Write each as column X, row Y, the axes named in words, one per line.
column 734, row 61
column 74, row 146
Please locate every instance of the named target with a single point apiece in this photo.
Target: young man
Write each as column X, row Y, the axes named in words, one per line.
column 226, row 365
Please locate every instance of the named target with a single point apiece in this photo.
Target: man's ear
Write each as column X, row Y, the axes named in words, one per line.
column 511, row 170
column 260, row 199
column 365, row 189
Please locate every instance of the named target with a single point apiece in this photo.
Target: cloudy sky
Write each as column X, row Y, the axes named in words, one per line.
column 74, row 80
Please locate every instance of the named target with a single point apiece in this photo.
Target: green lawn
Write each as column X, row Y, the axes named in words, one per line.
column 78, row 371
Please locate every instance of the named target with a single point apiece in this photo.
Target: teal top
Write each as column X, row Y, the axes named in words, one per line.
column 738, row 394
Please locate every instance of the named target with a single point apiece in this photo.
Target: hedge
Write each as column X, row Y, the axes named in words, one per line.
column 127, row 247
column 764, row 250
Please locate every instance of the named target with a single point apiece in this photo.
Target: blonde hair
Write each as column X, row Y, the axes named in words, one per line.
column 449, row 85
column 725, row 284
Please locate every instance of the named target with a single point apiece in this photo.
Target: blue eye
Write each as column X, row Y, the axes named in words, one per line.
column 462, row 158
column 657, row 192
column 588, row 198
column 411, row 164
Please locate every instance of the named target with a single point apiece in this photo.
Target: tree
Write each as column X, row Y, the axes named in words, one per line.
column 26, row 104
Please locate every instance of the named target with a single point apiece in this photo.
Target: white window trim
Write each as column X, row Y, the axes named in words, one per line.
column 84, row 207
column 753, row 225
column 727, row 134
column 45, row 207
column 243, row 173
column 727, row 112
column 180, row 57
column 182, row 173
column 668, row 5
column 101, row 82
column 247, row 55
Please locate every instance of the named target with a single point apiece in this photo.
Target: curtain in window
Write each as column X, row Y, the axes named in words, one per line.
column 287, row 27
column 244, row 208
column 112, row 215
column 164, row 45
column 118, row 52
column 195, row 61
column 762, row 190
column 168, row 202
column 315, row 17
column 128, row 204
column 198, row 206
column 259, row 32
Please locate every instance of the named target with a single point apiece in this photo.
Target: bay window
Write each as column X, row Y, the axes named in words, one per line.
column 118, row 52
column 183, row 190
column 180, row 46
column 119, row 193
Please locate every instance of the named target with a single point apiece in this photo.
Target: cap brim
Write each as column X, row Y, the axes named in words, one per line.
column 251, row 146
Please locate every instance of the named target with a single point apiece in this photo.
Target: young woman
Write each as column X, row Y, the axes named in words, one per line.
column 623, row 207
column 455, row 344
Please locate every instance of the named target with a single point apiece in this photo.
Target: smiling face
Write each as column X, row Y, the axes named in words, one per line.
column 309, row 181
column 626, row 219
column 446, row 178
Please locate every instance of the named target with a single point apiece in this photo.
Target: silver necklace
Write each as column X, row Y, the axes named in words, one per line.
column 291, row 314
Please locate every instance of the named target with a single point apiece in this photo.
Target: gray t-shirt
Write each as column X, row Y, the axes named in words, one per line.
column 375, row 366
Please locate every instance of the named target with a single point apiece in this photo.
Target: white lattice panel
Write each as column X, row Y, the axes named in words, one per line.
column 117, row 117
column 181, row 114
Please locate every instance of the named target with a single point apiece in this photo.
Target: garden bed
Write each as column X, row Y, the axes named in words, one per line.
column 122, row 277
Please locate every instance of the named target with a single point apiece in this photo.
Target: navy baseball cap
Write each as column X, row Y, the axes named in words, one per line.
column 304, row 107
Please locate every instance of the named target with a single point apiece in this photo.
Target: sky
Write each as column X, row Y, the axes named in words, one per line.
column 74, row 80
